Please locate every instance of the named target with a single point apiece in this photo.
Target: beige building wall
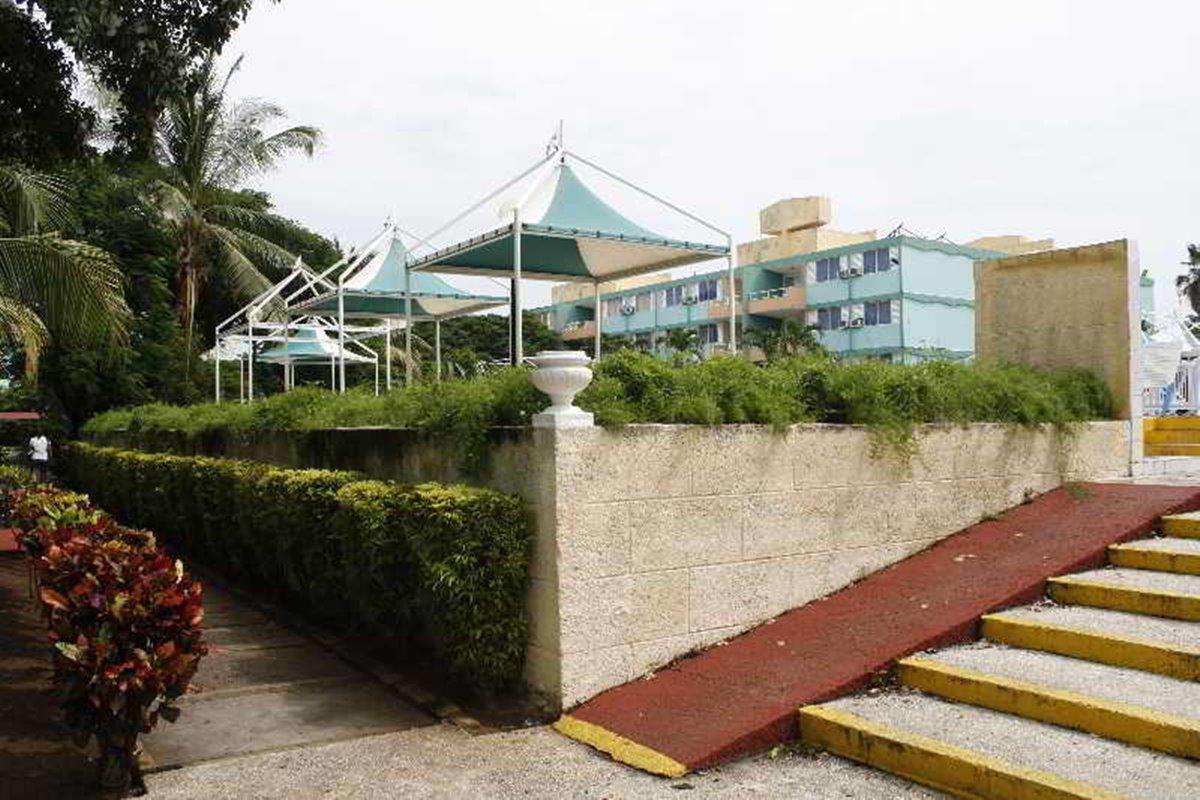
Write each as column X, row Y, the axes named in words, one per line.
column 576, row 290
column 1073, row 307
column 1011, row 244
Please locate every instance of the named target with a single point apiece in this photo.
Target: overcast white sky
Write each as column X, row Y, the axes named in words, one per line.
column 1075, row 120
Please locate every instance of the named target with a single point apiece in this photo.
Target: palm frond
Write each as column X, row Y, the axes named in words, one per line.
column 238, row 270
column 170, row 202
column 261, row 223
column 21, row 327
column 76, row 289
column 34, row 202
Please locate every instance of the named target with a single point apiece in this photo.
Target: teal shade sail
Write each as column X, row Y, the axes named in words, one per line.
column 309, row 345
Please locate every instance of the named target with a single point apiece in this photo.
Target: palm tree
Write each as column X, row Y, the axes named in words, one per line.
column 210, row 147
column 683, row 341
column 1188, row 284
column 791, row 339
column 52, row 287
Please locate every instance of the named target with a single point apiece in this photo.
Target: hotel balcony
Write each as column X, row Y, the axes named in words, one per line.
column 574, row 331
column 787, row 301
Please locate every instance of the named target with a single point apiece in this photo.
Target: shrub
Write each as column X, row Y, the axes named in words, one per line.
column 447, row 564
column 124, row 622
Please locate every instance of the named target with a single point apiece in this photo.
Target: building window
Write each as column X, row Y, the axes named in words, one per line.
column 827, row 269
column 829, row 319
column 643, row 301
column 877, row 260
column 710, row 333
column 707, row 290
column 878, row 313
column 672, row 296
column 613, row 305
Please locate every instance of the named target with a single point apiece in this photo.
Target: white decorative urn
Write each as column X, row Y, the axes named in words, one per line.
column 562, row 374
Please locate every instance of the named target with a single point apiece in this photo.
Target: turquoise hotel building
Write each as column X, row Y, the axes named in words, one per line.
column 898, row 298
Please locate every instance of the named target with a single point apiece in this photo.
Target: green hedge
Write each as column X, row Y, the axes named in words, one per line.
column 445, row 564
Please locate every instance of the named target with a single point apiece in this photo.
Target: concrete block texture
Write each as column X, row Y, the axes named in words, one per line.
column 671, row 538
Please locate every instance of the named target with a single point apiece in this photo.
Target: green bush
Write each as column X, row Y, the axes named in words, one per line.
column 446, row 564
column 632, row 387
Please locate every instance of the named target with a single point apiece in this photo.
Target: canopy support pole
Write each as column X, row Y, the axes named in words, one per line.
column 341, row 338
column 377, row 375
column 599, row 323
column 733, row 348
column 241, row 379
column 387, row 353
column 518, row 334
column 332, row 372
column 408, row 323
column 250, row 365
column 287, row 360
column 217, row 350
column 437, row 346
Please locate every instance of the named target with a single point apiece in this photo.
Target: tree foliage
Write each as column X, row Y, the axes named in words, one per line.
column 144, row 50
column 41, row 124
column 1188, row 283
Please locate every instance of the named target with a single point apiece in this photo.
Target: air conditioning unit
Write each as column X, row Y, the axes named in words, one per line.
column 844, row 273
column 843, row 324
column 628, row 310
column 854, row 272
column 857, row 322
column 690, row 300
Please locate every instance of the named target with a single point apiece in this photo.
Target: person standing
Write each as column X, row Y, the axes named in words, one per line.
column 39, row 454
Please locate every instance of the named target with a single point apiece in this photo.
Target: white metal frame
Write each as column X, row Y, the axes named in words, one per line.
column 557, row 150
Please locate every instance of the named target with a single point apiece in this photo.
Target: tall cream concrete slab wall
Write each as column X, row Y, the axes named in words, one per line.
column 1072, row 307
column 671, row 538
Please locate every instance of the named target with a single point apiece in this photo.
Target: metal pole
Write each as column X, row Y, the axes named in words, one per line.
column 341, row 338
column 217, row 350
column 287, row 359
column 437, row 346
column 408, row 323
column 599, row 322
column 250, row 365
column 241, row 379
column 732, row 298
column 518, row 334
column 332, row 373
column 387, row 353
column 377, row 375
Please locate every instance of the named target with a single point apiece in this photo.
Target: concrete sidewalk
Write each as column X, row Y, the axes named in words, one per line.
column 444, row 762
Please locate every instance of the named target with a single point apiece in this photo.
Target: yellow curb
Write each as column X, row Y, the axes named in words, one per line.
column 1171, row 423
column 1136, row 556
column 957, row 770
column 1177, row 436
column 1121, row 722
column 1074, row 591
column 1184, row 525
column 1174, row 661
column 624, row 750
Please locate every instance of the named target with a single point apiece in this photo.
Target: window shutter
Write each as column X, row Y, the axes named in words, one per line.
column 855, row 261
column 810, row 272
column 895, row 311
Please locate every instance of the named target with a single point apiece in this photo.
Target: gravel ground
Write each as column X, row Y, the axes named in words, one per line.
column 443, row 762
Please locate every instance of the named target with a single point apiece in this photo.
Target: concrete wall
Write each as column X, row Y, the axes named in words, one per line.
column 1075, row 307
column 670, row 538
column 653, row 540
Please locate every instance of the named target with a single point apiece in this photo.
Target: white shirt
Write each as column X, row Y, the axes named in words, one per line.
column 39, row 448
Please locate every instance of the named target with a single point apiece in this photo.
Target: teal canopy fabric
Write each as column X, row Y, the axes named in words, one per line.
column 309, row 345
column 577, row 237
column 376, row 290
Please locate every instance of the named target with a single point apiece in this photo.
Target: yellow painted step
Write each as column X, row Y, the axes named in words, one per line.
column 1170, row 423
column 1121, row 722
column 1171, row 449
column 1169, row 436
column 1139, row 556
column 949, row 768
column 1186, row 525
column 1173, row 661
column 1136, row 600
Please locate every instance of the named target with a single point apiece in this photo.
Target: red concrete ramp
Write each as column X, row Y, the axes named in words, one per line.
column 741, row 697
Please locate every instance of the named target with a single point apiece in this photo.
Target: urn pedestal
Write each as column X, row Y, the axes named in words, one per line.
column 562, row 374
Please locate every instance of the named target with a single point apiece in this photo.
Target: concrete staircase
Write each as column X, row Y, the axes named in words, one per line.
column 1096, row 695
column 1171, row 436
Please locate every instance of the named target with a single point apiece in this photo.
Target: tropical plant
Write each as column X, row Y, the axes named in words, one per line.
column 124, row 623
column 142, row 50
column 791, row 339
column 1188, row 284
column 684, row 342
column 50, row 286
column 209, row 146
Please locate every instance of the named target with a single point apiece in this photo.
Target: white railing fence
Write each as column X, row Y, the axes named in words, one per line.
column 1186, row 397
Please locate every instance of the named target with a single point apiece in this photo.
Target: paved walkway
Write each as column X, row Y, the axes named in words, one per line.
column 262, row 688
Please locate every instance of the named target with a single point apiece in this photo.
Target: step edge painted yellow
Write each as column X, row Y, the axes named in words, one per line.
column 619, row 747
column 1133, row 724
column 1181, row 526
column 1152, row 558
column 1097, row 594
column 1147, row 655
column 958, row 770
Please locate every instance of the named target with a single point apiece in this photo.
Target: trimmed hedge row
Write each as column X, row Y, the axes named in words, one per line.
column 448, row 565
